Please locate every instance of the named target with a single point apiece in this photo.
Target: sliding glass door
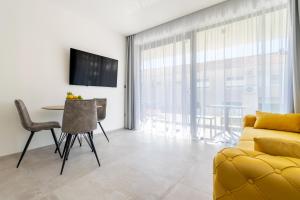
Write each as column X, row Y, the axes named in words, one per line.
column 200, row 83
column 164, row 85
column 241, row 67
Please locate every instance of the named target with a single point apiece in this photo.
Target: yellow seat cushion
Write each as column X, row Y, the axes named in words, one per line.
column 279, row 122
column 277, row 147
column 250, row 175
column 249, row 133
column 241, row 173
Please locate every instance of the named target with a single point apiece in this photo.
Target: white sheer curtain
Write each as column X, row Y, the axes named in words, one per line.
column 200, row 74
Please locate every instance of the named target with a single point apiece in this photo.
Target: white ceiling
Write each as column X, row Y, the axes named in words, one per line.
column 132, row 16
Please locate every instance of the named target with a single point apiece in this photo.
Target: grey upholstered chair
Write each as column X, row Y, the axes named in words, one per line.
column 80, row 117
column 101, row 113
column 33, row 127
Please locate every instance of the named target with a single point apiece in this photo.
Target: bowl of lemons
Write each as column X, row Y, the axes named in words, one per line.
column 71, row 96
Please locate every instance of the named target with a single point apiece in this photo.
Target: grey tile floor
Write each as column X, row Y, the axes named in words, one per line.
column 134, row 166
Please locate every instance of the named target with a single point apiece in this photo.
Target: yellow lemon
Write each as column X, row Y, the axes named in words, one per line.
column 69, row 96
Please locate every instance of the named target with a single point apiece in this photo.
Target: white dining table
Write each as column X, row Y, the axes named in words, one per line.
column 59, row 107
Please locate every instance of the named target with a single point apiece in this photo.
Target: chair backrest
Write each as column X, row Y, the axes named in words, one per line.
column 23, row 114
column 80, row 116
column 101, row 111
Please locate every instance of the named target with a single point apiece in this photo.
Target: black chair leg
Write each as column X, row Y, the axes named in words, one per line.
column 56, row 143
column 65, row 147
column 87, row 141
column 60, row 141
column 73, row 141
column 25, row 148
column 103, row 131
column 79, row 140
column 60, row 136
column 93, row 146
column 66, row 152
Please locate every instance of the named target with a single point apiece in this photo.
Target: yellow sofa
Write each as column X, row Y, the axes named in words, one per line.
column 240, row 173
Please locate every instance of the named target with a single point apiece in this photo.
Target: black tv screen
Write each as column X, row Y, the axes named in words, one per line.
column 92, row 70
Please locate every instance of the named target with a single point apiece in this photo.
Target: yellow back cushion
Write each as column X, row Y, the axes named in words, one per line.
column 249, row 121
column 277, row 147
column 280, row 122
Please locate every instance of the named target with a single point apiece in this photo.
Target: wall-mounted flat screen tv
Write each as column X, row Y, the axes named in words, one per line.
column 92, row 70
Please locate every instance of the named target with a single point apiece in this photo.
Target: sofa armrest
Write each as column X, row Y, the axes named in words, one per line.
column 246, row 175
column 249, row 121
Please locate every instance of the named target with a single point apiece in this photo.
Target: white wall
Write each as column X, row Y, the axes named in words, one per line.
column 35, row 37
